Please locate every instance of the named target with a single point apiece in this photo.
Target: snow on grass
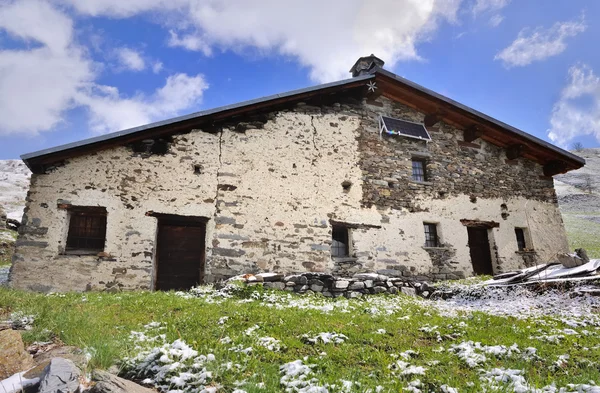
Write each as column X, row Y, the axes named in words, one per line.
column 325, row 338
column 270, row 343
column 298, row 377
column 170, row 367
column 521, row 302
column 474, row 353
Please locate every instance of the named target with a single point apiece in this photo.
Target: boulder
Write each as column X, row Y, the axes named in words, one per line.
column 581, row 253
column 60, row 376
column 570, row 260
column 109, row 383
column 42, row 359
column 13, row 357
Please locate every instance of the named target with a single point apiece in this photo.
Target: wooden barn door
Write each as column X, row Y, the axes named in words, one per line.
column 479, row 246
column 179, row 255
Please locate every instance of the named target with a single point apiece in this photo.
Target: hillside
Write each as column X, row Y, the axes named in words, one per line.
column 579, row 198
column 14, row 182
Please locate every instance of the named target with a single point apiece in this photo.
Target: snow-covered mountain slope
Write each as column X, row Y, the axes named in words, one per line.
column 14, row 182
column 579, row 199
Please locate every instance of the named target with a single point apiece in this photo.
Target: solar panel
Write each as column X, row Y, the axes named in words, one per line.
column 392, row 126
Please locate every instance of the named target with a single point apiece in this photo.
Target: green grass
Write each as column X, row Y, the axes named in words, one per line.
column 583, row 233
column 101, row 323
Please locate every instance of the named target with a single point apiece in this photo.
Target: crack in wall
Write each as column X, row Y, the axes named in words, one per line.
column 218, row 172
column 314, row 135
column 316, row 156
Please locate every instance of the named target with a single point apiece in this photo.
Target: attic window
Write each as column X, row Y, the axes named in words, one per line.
column 391, row 126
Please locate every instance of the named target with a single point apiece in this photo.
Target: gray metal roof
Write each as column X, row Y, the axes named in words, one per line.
column 130, row 131
column 480, row 114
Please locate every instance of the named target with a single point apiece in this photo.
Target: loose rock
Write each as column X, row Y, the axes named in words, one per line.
column 109, row 383
column 13, row 357
column 60, row 376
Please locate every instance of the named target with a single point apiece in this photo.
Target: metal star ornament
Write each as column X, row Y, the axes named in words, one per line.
column 371, row 86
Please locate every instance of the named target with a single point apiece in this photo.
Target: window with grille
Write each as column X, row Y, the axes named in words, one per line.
column 419, row 170
column 339, row 241
column 431, row 236
column 521, row 244
column 87, row 229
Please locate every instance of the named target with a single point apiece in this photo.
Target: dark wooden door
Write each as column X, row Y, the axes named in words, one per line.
column 479, row 246
column 180, row 255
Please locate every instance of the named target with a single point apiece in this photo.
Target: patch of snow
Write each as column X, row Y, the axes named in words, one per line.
column 17, row 383
column 270, row 343
column 325, row 338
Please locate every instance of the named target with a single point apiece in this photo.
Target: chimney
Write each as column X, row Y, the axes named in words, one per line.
column 365, row 64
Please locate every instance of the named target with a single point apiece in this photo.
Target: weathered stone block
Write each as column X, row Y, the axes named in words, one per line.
column 341, row 284
column 408, row 291
column 356, row 286
column 274, row 285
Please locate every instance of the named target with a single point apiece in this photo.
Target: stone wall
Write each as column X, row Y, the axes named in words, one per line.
column 270, row 189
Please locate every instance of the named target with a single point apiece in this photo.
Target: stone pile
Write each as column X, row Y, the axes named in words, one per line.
column 360, row 284
column 52, row 368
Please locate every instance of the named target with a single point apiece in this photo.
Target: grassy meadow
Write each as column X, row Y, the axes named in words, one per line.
column 263, row 341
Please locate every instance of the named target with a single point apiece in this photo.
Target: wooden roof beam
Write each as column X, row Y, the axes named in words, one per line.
column 555, row 167
column 471, row 133
column 515, row 151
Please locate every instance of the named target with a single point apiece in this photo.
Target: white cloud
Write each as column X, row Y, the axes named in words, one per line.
column 577, row 112
column 540, row 43
column 110, row 111
column 192, row 42
column 495, row 20
column 157, row 67
column 482, row 6
column 325, row 36
column 37, row 85
column 131, row 59
column 53, row 74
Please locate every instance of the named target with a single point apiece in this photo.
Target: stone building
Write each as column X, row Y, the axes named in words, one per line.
column 373, row 173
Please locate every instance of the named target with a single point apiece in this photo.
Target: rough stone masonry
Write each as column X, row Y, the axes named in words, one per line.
column 270, row 191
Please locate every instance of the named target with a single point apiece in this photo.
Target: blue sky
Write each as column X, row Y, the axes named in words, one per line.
column 70, row 70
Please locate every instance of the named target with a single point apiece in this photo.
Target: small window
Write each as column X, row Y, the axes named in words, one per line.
column 419, row 170
column 87, row 230
column 521, row 244
column 339, row 242
column 431, row 236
